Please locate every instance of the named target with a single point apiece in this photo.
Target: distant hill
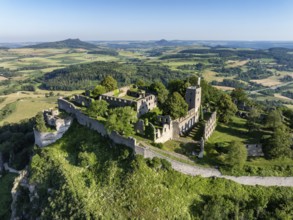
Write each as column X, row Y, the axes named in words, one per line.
column 163, row 42
column 4, row 48
column 69, row 43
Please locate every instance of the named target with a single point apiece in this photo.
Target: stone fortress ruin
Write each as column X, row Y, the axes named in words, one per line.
column 168, row 129
column 164, row 129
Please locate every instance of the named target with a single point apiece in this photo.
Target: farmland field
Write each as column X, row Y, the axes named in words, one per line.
column 28, row 104
column 28, row 65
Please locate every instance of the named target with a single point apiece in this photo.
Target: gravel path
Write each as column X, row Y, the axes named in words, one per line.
column 194, row 170
column 262, row 181
column 245, row 180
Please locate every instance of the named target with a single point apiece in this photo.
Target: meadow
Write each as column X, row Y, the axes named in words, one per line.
column 28, row 104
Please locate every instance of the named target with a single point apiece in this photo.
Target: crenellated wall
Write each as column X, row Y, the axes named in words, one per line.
column 82, row 100
column 117, row 102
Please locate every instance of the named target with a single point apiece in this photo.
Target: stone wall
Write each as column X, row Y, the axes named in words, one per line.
column 52, row 119
column 184, row 124
column 122, row 91
column 82, row 100
column 164, row 119
column 210, row 126
column 94, row 124
column 146, row 104
column 142, row 102
column 117, row 102
column 140, row 127
column 118, row 139
column 43, row 139
column 164, row 134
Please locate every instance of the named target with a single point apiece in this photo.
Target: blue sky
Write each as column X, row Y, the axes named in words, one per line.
column 52, row 20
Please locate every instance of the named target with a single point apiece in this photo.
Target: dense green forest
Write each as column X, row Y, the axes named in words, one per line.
column 86, row 76
column 88, row 179
column 16, row 142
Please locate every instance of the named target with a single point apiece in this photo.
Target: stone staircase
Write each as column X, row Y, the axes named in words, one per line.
column 196, row 132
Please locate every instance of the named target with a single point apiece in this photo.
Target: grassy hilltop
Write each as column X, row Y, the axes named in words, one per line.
column 90, row 177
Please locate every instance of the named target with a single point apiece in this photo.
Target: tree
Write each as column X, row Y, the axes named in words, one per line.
column 87, row 160
column 288, row 113
column 193, row 80
column 140, row 82
column 226, row 108
column 179, row 86
column 40, row 122
column 160, row 90
column 237, row 155
column 175, row 106
column 253, row 119
column 279, row 144
column 199, row 66
column 121, row 120
column 109, row 83
column 99, row 90
column 216, row 207
column 97, row 108
column 210, row 94
column 238, row 96
column 274, row 119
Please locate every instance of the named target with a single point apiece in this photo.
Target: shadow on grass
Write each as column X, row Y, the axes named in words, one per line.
column 187, row 148
column 241, row 131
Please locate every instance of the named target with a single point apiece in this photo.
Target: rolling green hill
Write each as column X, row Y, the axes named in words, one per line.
column 69, row 43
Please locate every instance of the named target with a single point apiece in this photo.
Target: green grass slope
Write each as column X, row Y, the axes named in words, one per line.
column 85, row 176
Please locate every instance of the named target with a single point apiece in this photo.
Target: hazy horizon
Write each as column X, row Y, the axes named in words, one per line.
column 153, row 40
column 130, row 20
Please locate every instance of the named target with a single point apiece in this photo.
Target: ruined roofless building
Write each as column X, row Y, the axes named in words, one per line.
column 144, row 102
column 131, row 96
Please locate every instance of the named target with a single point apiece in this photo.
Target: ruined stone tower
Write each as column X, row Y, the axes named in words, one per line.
column 193, row 96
